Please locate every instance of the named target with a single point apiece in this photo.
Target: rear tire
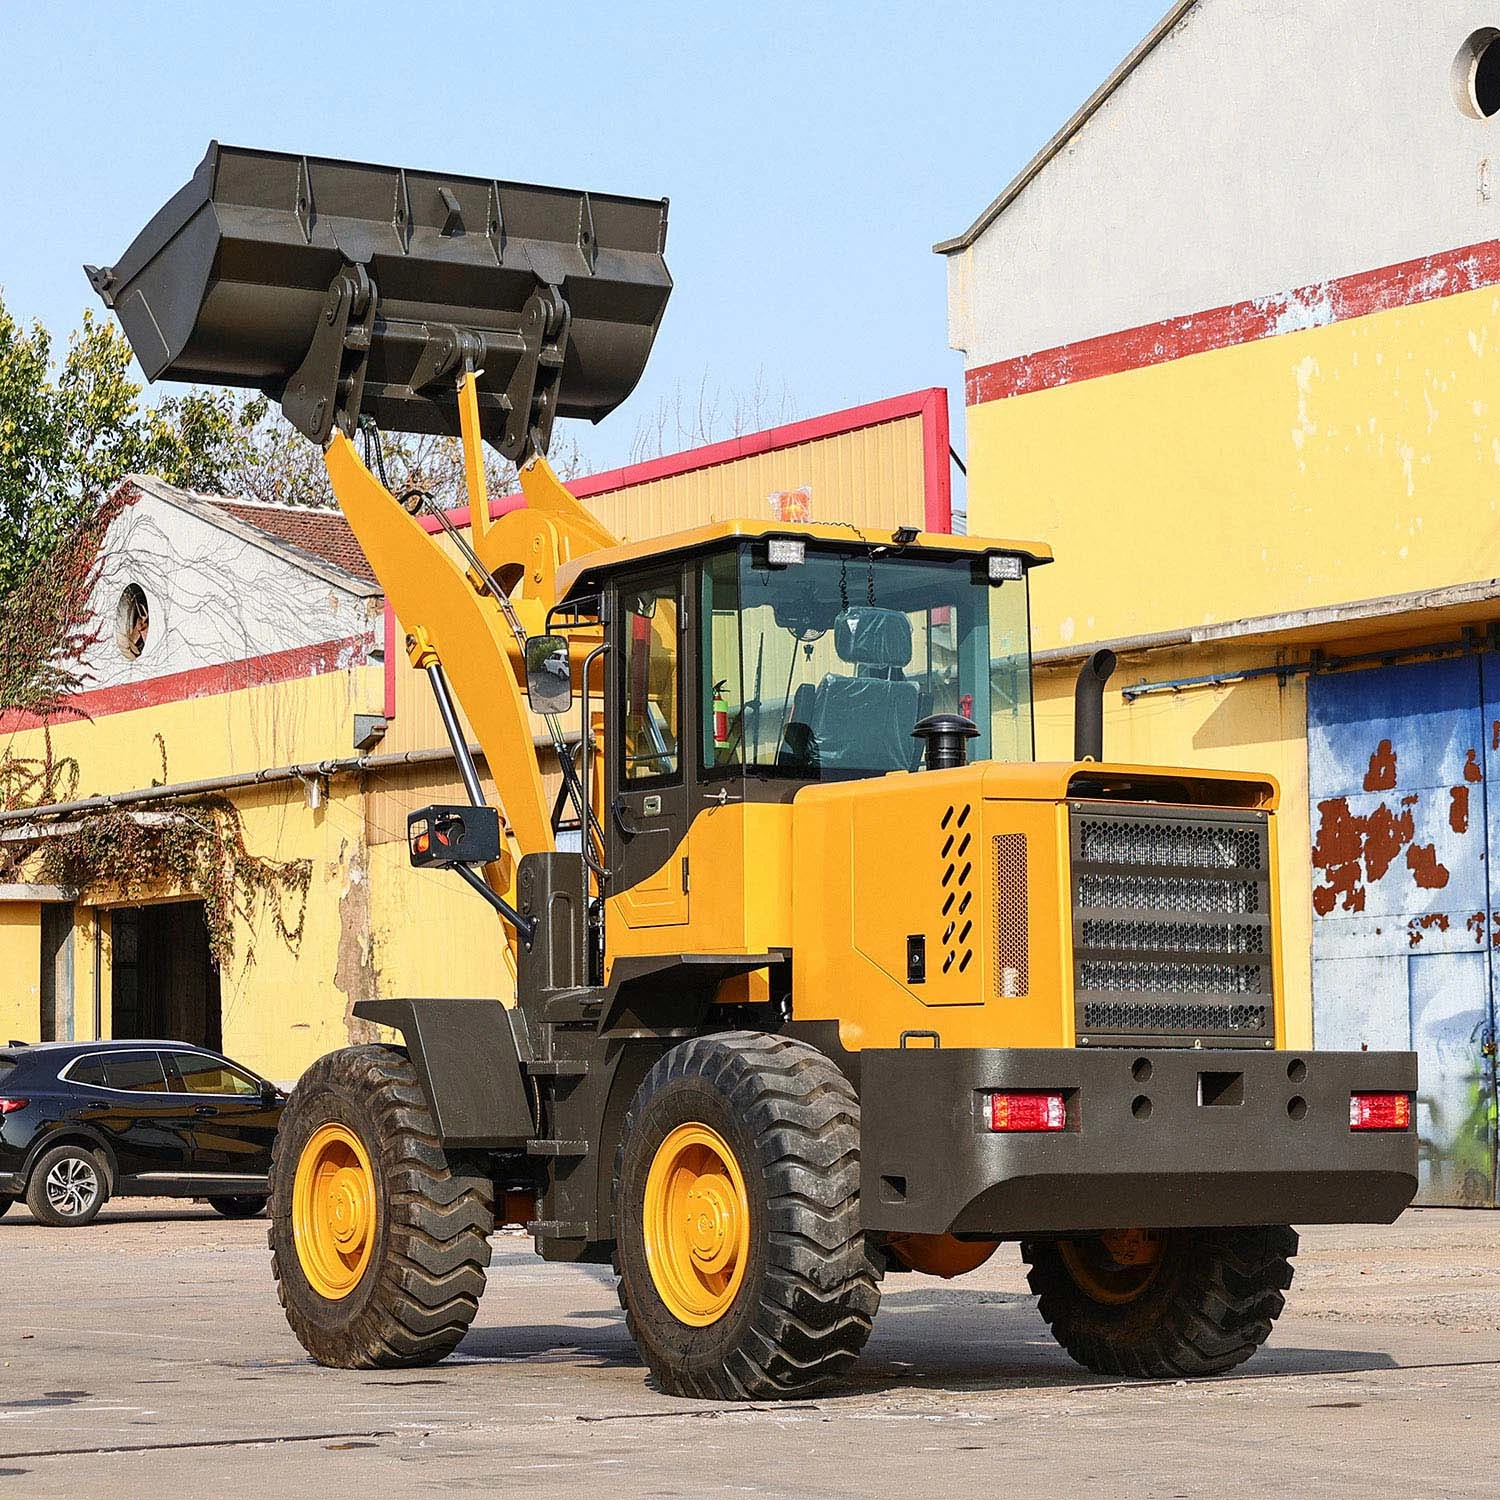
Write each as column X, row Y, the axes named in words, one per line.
column 68, row 1187
column 1206, row 1304
column 749, row 1144
column 379, row 1238
column 239, row 1207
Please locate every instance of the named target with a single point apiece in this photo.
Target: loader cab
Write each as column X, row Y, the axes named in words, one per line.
column 746, row 670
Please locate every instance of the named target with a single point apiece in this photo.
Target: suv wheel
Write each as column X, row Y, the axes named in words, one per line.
column 67, row 1187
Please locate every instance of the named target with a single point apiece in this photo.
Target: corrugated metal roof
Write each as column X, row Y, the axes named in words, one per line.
column 1084, row 114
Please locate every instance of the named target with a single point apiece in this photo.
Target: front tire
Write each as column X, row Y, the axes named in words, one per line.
column 68, row 1187
column 1164, row 1306
column 743, row 1267
column 379, row 1238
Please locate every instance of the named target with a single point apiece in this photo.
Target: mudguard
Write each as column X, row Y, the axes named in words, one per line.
column 470, row 1067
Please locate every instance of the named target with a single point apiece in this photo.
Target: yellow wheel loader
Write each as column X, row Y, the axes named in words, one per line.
column 809, row 973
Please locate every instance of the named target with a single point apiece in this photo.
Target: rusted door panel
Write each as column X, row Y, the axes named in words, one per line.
column 1397, row 764
column 1450, row 1011
column 1485, row 1121
column 1363, row 1001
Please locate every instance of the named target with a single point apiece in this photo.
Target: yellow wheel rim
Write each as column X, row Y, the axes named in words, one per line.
column 697, row 1225
column 333, row 1211
column 1115, row 1267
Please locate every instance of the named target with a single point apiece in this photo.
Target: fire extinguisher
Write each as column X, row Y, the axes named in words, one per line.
column 721, row 718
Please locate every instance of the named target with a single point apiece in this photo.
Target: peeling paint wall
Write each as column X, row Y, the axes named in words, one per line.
column 373, row 925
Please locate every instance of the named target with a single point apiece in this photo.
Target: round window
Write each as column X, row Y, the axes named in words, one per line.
column 1476, row 74
column 132, row 621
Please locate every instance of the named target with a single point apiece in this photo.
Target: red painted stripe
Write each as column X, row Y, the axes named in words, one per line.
column 203, row 682
column 1412, row 282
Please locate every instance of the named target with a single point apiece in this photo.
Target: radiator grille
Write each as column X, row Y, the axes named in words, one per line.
column 1170, row 892
column 1012, row 946
column 1174, row 937
column 1175, row 904
column 1142, row 1018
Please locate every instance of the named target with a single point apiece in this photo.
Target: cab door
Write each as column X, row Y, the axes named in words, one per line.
column 648, row 712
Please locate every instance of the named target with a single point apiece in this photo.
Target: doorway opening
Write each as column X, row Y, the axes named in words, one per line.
column 56, row 986
column 162, row 975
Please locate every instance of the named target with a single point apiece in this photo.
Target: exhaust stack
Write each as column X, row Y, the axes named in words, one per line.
column 1088, row 706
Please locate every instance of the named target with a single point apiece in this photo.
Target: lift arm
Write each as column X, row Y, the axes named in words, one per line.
column 428, row 303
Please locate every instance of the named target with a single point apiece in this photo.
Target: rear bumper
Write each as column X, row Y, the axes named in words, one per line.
column 929, row 1167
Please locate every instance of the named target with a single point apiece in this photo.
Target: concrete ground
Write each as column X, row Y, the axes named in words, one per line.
column 146, row 1355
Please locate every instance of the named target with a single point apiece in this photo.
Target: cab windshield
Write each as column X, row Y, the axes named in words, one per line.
column 820, row 670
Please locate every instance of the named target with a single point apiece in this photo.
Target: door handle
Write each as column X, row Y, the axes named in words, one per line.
column 627, row 825
column 206, row 1109
column 95, row 1105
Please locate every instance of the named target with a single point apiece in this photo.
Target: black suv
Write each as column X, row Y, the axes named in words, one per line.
column 81, row 1121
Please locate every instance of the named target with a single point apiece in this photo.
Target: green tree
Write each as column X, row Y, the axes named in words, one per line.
column 69, row 433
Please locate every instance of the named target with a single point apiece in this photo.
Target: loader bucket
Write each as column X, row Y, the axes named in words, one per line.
column 340, row 289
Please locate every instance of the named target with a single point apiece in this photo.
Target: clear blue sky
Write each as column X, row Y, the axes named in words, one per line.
column 812, row 152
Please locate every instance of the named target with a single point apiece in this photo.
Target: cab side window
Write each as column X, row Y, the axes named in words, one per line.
column 652, row 687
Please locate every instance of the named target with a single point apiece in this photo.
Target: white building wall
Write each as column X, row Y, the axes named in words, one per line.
column 215, row 596
column 1263, row 145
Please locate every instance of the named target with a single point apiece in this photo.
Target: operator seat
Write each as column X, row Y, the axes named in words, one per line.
column 863, row 722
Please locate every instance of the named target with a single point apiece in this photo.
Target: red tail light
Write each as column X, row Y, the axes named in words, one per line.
column 1379, row 1111
column 1013, row 1112
column 10, row 1106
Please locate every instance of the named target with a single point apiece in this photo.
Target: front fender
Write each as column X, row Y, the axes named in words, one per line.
column 470, row 1068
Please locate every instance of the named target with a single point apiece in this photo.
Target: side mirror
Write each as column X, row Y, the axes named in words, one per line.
column 269, row 1094
column 549, row 674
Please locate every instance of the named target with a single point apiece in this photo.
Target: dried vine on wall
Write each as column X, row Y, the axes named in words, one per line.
column 196, row 844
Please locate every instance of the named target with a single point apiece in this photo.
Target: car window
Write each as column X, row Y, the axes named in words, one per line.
column 7, row 1065
column 135, row 1072
column 88, row 1070
column 208, row 1075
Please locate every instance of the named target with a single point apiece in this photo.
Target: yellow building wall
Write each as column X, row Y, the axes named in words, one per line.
column 373, row 926
column 1343, row 462
column 20, row 969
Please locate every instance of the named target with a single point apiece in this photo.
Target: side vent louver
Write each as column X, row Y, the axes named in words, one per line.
column 958, row 889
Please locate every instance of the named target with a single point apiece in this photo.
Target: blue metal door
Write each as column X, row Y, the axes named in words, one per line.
column 1404, row 921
